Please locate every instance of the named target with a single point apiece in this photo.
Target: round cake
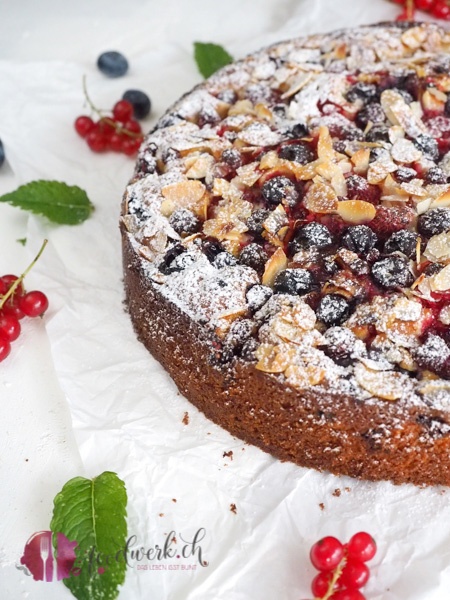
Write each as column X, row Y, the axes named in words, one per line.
column 286, row 246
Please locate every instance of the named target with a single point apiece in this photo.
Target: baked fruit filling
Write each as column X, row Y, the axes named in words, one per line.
column 298, row 205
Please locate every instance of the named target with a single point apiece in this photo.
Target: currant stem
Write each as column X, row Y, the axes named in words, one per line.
column 336, row 574
column 104, row 118
column 19, row 280
column 410, row 9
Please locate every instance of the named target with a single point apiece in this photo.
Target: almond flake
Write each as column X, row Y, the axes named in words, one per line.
column 200, row 167
column 400, row 113
column 441, row 281
column 321, row 198
column 186, row 194
column 356, row 211
column 433, row 100
column 270, row 360
column 414, row 37
column 404, row 151
column 361, row 160
column 269, row 160
column 305, row 376
column 242, row 107
column 387, row 385
column 325, row 149
column 442, row 200
column 438, row 247
column 380, row 169
column 444, row 315
column 414, row 187
column 276, row 263
column 248, row 174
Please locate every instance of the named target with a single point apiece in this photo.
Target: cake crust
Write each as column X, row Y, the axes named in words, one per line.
column 268, row 365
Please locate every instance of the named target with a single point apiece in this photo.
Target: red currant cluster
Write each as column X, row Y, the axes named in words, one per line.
column 343, row 569
column 438, row 8
column 119, row 132
column 16, row 303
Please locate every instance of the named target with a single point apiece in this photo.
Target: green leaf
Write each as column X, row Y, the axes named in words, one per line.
column 22, row 241
column 93, row 513
column 210, row 58
column 59, row 202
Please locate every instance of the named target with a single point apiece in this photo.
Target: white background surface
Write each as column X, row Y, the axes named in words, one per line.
column 80, row 395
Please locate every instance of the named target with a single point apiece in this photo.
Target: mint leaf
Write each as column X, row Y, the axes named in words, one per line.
column 210, row 58
column 22, row 241
column 92, row 513
column 59, row 202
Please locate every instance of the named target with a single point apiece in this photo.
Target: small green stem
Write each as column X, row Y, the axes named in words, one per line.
column 19, row 280
column 104, row 118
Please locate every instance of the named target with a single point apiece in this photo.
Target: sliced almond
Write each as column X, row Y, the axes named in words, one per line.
column 263, row 112
column 270, row 360
column 356, row 211
column 438, row 247
column 248, row 174
column 276, row 263
column 414, row 37
column 404, row 151
column 269, row 160
column 321, row 198
column 325, row 149
column 361, row 160
column 441, row 281
column 201, row 167
column 186, row 194
column 387, row 385
column 444, row 315
column 400, row 113
column 305, row 376
column 241, row 107
column 442, row 200
column 434, row 100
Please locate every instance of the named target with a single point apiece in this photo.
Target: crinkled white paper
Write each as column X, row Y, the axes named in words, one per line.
column 80, row 395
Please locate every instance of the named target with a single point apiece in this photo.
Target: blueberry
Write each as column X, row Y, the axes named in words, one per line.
column 257, row 296
column 428, row 146
column 392, row 272
column 404, row 174
column 313, row 235
column 340, row 346
column 300, row 153
column 378, row 133
column 112, row 64
column 255, row 257
column 433, row 222
column 232, row 158
column 224, row 259
column 403, row 241
column 278, row 188
column 240, row 331
column 368, row 92
column 435, row 175
column 256, row 220
column 433, row 354
column 184, row 221
column 168, row 264
column 294, row 281
column 373, row 112
column 2, row 153
column 433, row 269
column 140, row 101
column 299, row 130
column 359, row 239
column 211, row 248
column 333, row 309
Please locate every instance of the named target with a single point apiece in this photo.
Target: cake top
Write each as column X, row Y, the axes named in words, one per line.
column 297, row 204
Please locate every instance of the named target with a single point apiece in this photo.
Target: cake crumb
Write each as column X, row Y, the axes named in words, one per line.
column 174, row 499
column 322, row 506
column 228, row 454
column 185, row 419
column 233, row 508
column 161, row 514
column 337, row 492
column 174, row 540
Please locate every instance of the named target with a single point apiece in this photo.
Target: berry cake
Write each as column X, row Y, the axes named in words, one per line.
column 286, row 244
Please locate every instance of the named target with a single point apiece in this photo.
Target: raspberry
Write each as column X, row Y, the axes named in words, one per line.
column 232, row 158
column 390, row 219
column 359, row 189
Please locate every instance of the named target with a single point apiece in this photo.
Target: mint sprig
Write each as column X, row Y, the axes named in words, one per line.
column 59, row 202
column 210, row 57
column 93, row 513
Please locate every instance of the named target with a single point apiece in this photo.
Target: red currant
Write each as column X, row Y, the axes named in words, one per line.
column 362, row 546
column 355, row 574
column 123, row 111
column 133, row 126
column 83, row 125
column 9, row 327
column 348, row 595
column 5, row 347
column 441, row 10
column 424, row 4
column 33, row 304
column 327, row 553
column 97, row 141
column 7, row 281
column 12, row 308
column 131, row 145
column 115, row 142
column 320, row 584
